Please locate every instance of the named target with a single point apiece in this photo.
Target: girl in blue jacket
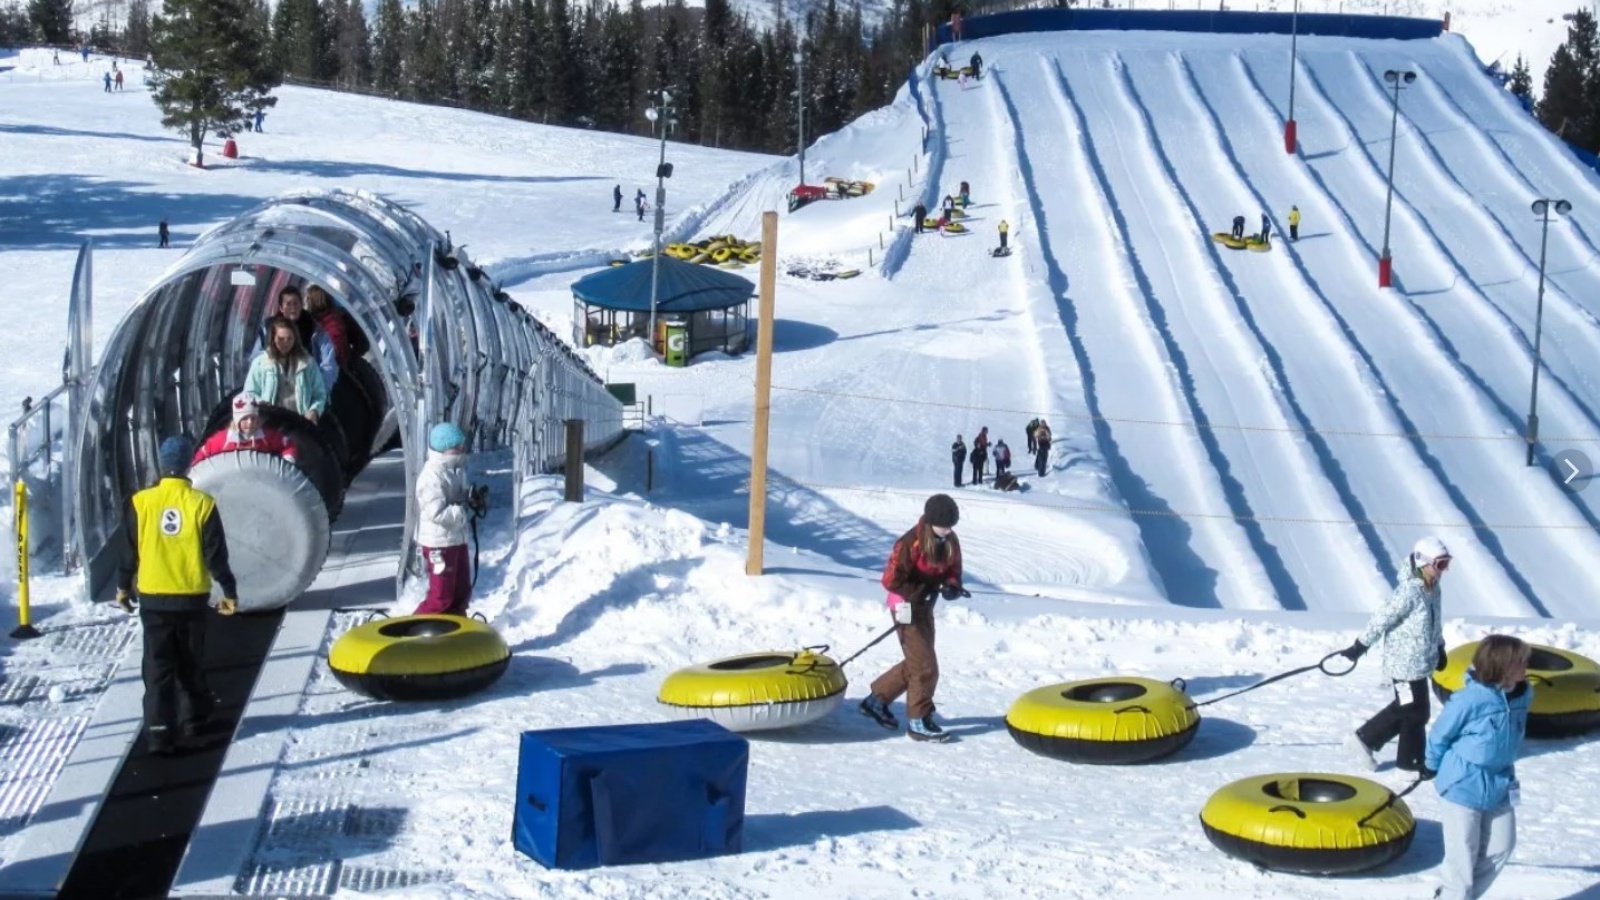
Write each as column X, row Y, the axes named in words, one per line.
column 1472, row 755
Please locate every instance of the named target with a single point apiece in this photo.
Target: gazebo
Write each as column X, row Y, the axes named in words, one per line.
column 698, row 308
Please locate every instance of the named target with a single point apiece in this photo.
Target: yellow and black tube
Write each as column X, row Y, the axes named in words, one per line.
column 1110, row 721
column 1309, row 823
column 427, row 657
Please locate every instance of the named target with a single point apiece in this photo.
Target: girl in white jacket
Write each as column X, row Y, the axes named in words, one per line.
column 444, row 512
column 1410, row 624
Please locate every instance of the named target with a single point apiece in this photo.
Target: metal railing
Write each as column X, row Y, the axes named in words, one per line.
column 31, row 442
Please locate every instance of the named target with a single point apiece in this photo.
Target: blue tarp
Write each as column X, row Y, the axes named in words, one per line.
column 1205, row 21
column 685, row 287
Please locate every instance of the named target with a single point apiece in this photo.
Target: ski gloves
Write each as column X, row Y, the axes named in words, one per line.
column 125, row 602
column 1354, row 651
column 1444, row 660
column 951, row 591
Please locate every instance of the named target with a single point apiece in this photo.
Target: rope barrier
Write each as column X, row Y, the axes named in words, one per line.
column 1199, row 426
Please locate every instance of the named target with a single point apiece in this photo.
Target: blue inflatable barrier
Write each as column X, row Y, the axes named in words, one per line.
column 1203, row 21
column 624, row 794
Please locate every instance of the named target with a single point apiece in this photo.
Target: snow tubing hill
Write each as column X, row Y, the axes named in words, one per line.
column 430, row 657
column 276, row 524
column 1566, row 689
column 758, row 692
column 1104, row 720
column 1309, row 823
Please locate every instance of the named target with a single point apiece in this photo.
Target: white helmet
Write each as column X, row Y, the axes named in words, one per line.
column 1427, row 550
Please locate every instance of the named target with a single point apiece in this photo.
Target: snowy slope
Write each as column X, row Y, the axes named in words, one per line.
column 1246, row 445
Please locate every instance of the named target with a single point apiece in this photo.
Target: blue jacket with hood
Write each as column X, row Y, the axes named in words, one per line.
column 1475, row 741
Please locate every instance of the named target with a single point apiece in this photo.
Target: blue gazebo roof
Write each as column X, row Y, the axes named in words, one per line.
column 685, row 287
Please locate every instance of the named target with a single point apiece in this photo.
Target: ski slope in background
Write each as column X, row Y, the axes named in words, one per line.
column 1246, row 446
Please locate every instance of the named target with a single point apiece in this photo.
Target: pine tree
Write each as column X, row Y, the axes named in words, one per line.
column 351, row 64
column 1562, row 103
column 1521, row 80
column 556, row 49
column 210, row 74
column 389, row 46
column 136, row 36
column 14, row 25
column 52, row 20
column 299, row 39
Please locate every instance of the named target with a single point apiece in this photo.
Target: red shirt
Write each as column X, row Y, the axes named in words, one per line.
column 230, row 441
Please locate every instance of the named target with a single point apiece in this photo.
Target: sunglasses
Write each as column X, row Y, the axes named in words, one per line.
column 1441, row 564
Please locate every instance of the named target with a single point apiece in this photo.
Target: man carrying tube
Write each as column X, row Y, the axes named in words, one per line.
column 176, row 546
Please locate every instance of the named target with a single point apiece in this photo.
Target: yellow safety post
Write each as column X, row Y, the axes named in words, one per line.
column 24, row 629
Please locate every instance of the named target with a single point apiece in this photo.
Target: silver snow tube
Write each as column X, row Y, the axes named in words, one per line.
column 277, row 525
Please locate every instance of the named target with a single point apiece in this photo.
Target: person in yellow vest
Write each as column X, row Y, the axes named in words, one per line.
column 175, row 548
column 1005, row 229
column 1294, row 223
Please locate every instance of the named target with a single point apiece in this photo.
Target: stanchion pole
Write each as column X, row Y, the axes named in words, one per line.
column 758, row 456
column 24, row 629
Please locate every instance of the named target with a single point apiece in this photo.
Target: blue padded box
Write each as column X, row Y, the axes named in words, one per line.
column 620, row 794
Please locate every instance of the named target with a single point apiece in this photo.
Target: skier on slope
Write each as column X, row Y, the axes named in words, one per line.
column 958, row 455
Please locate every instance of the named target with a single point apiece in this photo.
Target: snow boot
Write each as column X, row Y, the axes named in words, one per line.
column 158, row 740
column 1360, row 753
column 925, row 729
column 878, row 711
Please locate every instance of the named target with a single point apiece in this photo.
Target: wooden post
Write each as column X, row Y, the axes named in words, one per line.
column 574, row 493
column 758, row 456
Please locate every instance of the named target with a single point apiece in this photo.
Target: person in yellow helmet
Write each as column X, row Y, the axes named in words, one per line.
column 1005, row 229
column 176, row 546
column 1294, row 223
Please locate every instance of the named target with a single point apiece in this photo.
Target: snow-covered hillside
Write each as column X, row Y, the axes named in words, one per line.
column 1247, row 443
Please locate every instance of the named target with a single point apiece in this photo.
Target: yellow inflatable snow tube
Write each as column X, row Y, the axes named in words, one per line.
column 680, row 251
column 428, row 657
column 1226, row 239
column 1309, row 823
column 1566, row 688
column 1257, row 245
column 955, row 228
column 721, row 253
column 758, row 692
column 1104, row 720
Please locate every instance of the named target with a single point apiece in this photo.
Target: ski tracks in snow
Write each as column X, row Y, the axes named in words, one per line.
column 1533, row 533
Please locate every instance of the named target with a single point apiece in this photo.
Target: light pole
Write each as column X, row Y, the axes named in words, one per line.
column 1289, row 135
column 1398, row 78
column 1541, row 208
column 662, row 117
column 800, row 106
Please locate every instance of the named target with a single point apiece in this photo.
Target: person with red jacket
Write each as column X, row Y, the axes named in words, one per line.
column 246, row 433
column 322, row 311
column 924, row 564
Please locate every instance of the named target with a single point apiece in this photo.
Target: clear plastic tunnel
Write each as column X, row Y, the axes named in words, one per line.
column 183, row 350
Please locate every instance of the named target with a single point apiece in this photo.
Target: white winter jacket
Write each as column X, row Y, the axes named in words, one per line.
column 1410, row 625
column 442, row 512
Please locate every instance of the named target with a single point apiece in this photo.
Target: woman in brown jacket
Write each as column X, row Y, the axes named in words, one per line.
column 924, row 563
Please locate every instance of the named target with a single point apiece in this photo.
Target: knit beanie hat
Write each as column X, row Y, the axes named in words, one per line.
column 940, row 511
column 244, row 405
column 446, row 436
column 174, row 455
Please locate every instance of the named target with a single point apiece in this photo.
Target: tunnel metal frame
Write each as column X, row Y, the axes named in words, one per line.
column 479, row 359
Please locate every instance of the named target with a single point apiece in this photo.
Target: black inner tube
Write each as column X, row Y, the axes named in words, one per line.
column 745, row 663
column 1545, row 661
column 1313, row 790
column 1109, row 692
column 419, row 628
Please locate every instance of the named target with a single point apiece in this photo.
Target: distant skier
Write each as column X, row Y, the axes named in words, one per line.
column 118, row 79
column 965, row 194
column 1266, row 229
column 1294, row 223
column 1002, row 459
column 1238, row 228
column 1041, row 440
column 108, row 82
column 949, row 204
column 85, row 51
column 163, row 233
column 616, row 199
column 955, row 25
column 977, row 65
column 1005, row 229
column 920, row 214
column 958, row 455
column 979, row 459
column 1033, row 425
column 261, row 116
column 638, row 203
column 55, row 57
